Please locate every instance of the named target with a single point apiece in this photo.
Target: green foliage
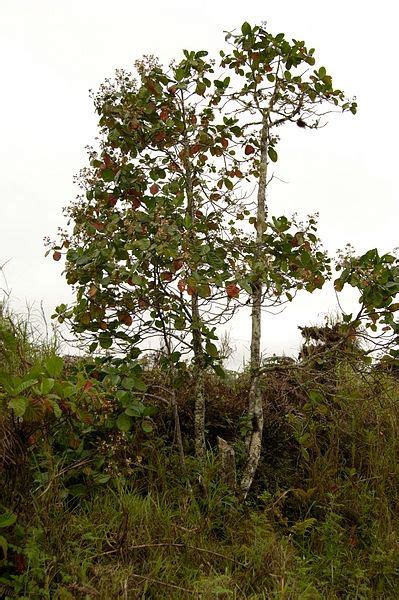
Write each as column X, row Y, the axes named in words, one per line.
column 377, row 279
column 97, row 502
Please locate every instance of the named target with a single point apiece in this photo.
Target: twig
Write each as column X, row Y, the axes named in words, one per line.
column 171, row 585
column 175, row 545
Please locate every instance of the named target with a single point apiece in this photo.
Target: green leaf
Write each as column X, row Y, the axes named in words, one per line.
column 146, row 426
column 101, row 478
column 315, row 397
column 246, row 28
column 7, row 519
column 18, row 405
column 219, row 371
column 211, row 349
column 272, row 154
column 124, row 422
column 54, row 366
column 56, row 409
column 130, row 383
column 135, row 410
column 46, row 386
column 79, row 490
column 4, row 546
column 105, row 340
column 301, row 527
column 322, row 72
column 108, row 175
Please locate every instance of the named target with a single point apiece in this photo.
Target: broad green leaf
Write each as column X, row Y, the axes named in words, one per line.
column 124, row 422
column 78, row 490
column 180, row 323
column 146, row 426
column 101, row 478
column 18, row 405
column 130, row 383
column 322, row 72
column 56, row 409
column 7, row 519
column 68, row 390
column 246, row 28
column 54, row 366
column 134, row 410
column 105, row 341
column 46, row 386
column 24, row 385
column 272, row 154
column 108, row 175
column 211, row 349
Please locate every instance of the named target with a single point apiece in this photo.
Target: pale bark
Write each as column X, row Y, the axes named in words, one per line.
column 255, row 408
column 228, row 464
column 199, row 395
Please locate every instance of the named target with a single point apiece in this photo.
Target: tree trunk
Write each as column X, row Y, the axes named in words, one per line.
column 228, row 464
column 199, row 394
column 255, row 408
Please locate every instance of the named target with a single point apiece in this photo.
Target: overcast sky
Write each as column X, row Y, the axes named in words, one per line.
column 54, row 51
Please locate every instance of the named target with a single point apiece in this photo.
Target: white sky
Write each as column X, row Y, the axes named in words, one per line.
column 54, row 51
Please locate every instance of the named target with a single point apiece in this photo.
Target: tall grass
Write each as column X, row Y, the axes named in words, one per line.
column 322, row 521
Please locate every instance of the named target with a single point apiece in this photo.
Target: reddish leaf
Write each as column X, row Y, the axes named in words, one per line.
column 125, row 318
column 249, row 149
column 107, row 160
column 57, row 255
column 88, row 385
column 143, row 304
column 99, row 226
column 154, row 189
column 92, row 291
column 164, row 114
column 112, row 200
column 181, row 285
column 194, row 149
column 159, row 136
column 224, row 142
column 19, row 561
column 177, row 264
column 166, row 276
column 232, row 290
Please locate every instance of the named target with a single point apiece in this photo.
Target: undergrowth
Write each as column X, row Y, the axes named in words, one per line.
column 90, row 509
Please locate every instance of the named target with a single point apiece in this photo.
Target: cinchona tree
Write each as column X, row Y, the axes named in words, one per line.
column 277, row 84
column 162, row 243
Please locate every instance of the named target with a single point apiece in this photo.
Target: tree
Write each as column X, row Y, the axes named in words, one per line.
column 275, row 87
column 148, row 254
column 163, row 244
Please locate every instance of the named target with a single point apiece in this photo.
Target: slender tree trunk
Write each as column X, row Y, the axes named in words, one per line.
column 199, row 395
column 255, row 409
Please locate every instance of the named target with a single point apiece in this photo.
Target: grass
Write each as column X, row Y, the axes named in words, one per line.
column 102, row 514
